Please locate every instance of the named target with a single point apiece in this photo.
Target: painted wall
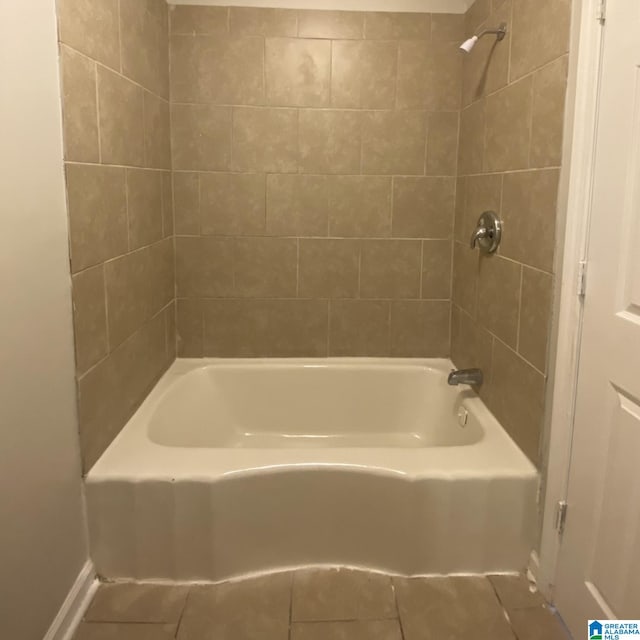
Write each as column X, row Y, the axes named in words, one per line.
column 510, row 155
column 314, row 159
column 114, row 60
column 42, row 529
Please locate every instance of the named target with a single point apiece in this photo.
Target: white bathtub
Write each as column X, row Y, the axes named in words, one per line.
column 241, row 466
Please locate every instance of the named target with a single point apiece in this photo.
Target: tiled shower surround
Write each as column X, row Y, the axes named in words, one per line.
column 511, row 124
column 314, row 158
column 268, row 182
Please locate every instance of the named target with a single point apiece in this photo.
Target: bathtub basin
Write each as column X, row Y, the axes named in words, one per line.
column 232, row 467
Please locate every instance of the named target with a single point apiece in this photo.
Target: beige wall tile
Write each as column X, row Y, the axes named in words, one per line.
column 97, row 214
column 297, row 205
column 204, row 267
column 487, row 70
column 120, row 104
column 429, row 75
column 189, row 328
column 540, row 33
column 447, row 27
column 138, row 285
column 549, row 90
column 329, row 141
column 297, row 72
column 387, row 25
column 190, row 19
column 266, row 267
column 79, row 109
column 170, row 329
column 363, row 74
column 420, row 328
column 265, row 140
column 517, row 398
column 359, row 206
column 471, row 346
column 460, row 207
column 144, row 44
column 359, row 328
column 200, row 137
column 465, row 277
column 471, row 150
column 168, row 228
column 477, row 13
column 394, row 142
column 390, row 269
column 186, row 198
column 157, row 132
column 436, row 269
column 508, row 127
column 499, row 283
column 258, row 328
column 221, row 69
column 89, row 318
column 144, row 206
column 423, row 207
column 330, row 24
column 258, row 21
column 529, row 202
column 232, row 204
column 442, row 143
column 91, row 26
column 535, row 314
column 328, row 268
column 110, row 392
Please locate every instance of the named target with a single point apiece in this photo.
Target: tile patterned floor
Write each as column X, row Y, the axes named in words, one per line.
column 328, row 604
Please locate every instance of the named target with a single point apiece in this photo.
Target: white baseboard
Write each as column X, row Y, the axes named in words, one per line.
column 74, row 605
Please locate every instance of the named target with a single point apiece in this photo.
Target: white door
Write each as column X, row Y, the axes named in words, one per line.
column 599, row 562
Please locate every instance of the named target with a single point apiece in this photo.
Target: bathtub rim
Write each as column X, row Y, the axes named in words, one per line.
column 132, row 455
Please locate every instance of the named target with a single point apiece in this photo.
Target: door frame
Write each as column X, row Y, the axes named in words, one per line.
column 576, row 189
